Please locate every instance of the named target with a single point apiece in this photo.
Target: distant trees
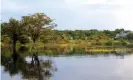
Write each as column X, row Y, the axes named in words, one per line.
column 93, row 36
column 85, row 34
column 130, row 36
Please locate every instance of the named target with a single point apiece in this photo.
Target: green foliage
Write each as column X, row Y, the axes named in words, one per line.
column 29, row 26
column 108, row 43
column 23, row 49
column 130, row 45
column 24, row 39
column 13, row 27
column 120, row 43
column 4, row 38
column 96, row 43
column 130, row 36
column 116, row 43
column 36, row 24
column 123, row 42
column 39, row 27
column 48, row 35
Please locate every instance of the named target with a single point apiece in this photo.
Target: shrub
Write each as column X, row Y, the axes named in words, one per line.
column 119, row 43
column 130, row 45
column 123, row 42
column 116, row 43
column 109, row 43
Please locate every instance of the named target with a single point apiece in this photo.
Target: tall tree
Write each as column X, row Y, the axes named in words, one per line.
column 37, row 24
column 13, row 29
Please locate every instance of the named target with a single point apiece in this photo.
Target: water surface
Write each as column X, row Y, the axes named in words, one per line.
column 106, row 66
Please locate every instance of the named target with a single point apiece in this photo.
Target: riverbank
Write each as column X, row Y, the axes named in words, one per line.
column 67, row 48
column 63, row 48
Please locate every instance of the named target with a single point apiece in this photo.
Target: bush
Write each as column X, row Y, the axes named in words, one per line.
column 130, row 45
column 123, row 42
column 109, row 43
column 118, row 43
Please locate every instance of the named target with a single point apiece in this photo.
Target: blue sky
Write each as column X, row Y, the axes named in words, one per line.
column 75, row 14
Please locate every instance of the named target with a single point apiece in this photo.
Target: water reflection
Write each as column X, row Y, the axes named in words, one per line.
column 35, row 69
column 32, row 66
column 81, row 51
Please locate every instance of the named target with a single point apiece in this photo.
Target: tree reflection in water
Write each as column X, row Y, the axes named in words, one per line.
column 38, row 69
column 34, row 70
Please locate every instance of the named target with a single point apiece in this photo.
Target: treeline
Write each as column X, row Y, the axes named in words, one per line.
column 95, row 34
column 39, row 28
column 93, row 37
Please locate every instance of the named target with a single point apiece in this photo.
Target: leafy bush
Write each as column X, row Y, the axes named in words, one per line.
column 123, row 42
column 130, row 45
column 116, row 43
column 109, row 43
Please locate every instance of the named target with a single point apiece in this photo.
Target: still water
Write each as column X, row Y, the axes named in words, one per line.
column 73, row 67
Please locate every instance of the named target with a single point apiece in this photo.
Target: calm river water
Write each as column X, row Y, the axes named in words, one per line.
column 62, row 67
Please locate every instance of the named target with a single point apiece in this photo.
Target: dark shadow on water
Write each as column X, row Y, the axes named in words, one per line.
column 35, row 69
column 120, row 54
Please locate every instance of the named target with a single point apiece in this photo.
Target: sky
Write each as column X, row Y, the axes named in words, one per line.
column 75, row 14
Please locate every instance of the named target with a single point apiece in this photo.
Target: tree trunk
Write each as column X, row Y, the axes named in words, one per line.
column 14, row 42
column 34, row 47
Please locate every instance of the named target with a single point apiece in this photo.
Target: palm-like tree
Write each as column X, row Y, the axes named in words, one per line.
column 13, row 29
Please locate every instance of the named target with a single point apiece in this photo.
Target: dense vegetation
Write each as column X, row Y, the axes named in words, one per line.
column 96, row 35
column 39, row 28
